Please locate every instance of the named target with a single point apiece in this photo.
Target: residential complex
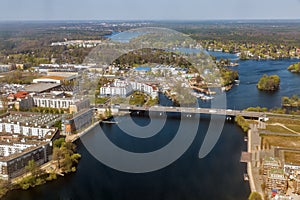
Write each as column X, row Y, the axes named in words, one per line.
column 72, row 124
column 25, row 136
column 124, row 88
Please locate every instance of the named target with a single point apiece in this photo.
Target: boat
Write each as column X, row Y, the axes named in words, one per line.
column 206, row 97
column 246, row 177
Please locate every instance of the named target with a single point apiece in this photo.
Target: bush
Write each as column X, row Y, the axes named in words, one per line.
column 257, row 109
column 255, row 196
column 241, row 121
column 295, row 68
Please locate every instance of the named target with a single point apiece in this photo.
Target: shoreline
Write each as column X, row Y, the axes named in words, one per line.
column 249, row 164
column 252, row 170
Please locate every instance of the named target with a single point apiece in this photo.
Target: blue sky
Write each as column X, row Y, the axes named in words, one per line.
column 148, row 10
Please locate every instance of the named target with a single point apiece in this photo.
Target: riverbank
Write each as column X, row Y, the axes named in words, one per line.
column 64, row 160
column 253, row 172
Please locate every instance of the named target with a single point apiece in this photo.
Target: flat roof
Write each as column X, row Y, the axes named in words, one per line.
column 41, row 87
column 60, row 78
column 141, row 68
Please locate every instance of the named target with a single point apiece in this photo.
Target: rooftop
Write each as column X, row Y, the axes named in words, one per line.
column 41, row 87
column 60, row 78
column 29, row 119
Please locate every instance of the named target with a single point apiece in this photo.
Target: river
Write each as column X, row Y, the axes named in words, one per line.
column 219, row 176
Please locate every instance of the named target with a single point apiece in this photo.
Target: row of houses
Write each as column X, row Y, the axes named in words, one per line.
column 125, row 88
column 25, row 137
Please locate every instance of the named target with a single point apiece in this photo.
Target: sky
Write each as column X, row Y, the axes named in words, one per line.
column 148, row 9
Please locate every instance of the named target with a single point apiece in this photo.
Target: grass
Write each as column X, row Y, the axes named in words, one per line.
column 281, row 141
column 19, row 77
column 101, row 100
column 292, row 157
column 294, row 127
column 119, row 100
column 278, row 129
column 284, row 121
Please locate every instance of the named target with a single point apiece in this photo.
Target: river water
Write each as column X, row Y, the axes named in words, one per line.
column 219, row 176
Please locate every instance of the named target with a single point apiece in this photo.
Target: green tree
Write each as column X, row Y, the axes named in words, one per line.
column 255, row 196
column 33, row 168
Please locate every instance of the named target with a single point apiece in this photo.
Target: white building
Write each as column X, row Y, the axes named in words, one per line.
column 148, row 89
column 26, row 130
column 168, row 70
column 124, row 88
column 7, row 149
column 49, row 79
column 118, row 88
column 53, row 102
column 5, row 68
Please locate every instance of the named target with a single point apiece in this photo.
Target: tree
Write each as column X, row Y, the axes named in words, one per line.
column 64, row 154
column 57, row 155
column 58, row 142
column 255, row 196
column 33, row 168
column 4, row 102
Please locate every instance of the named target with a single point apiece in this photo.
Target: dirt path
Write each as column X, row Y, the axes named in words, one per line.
column 283, row 126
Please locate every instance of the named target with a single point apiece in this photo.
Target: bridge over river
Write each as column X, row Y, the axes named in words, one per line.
column 190, row 110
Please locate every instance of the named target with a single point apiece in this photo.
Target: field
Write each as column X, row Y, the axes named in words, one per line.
column 292, row 157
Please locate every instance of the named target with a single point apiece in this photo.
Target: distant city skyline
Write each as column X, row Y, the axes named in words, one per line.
column 148, row 10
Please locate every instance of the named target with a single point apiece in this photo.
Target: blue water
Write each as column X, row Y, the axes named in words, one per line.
column 247, row 94
column 219, row 176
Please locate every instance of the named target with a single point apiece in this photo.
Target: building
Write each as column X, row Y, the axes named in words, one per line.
column 41, row 87
column 49, row 79
column 118, row 88
column 61, row 102
column 79, row 105
column 23, row 101
column 74, row 123
column 276, row 181
column 14, row 165
column 270, row 163
column 6, row 68
column 297, row 184
column 142, row 70
column 25, row 137
column 125, row 88
column 8, row 148
column 168, row 70
column 28, row 124
column 53, row 101
column 143, row 87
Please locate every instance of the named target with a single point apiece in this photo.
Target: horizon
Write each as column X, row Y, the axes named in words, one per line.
column 133, row 10
column 152, row 20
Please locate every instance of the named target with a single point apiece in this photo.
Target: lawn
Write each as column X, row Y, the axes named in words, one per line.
column 292, row 157
column 278, row 129
column 281, row 141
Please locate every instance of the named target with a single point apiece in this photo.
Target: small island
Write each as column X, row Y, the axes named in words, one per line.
column 294, row 68
column 294, row 101
column 269, row 83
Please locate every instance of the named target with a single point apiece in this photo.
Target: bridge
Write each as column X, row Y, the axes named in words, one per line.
column 189, row 110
